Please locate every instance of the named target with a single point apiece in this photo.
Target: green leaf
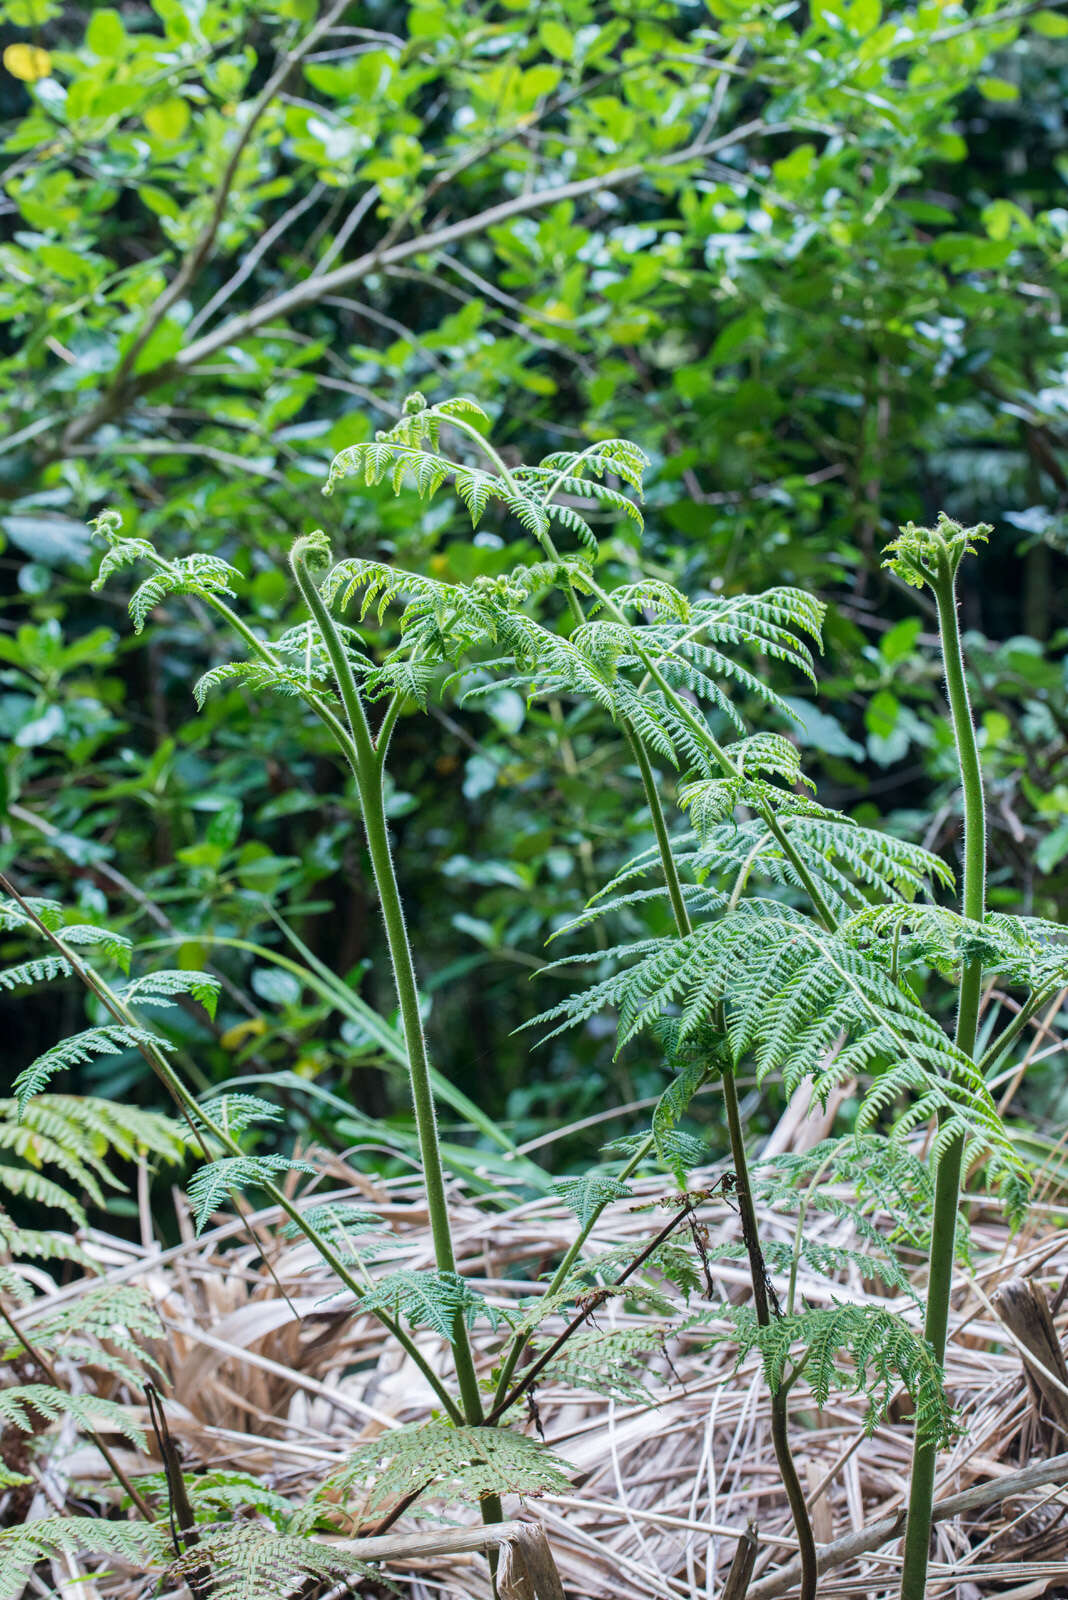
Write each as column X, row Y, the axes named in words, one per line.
column 557, row 39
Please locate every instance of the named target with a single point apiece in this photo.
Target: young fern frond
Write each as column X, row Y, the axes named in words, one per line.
column 160, row 988
column 588, row 1195
column 198, row 574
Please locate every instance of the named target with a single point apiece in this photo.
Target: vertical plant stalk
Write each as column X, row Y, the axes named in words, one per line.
column 367, row 770
column 947, row 1177
column 762, row 1300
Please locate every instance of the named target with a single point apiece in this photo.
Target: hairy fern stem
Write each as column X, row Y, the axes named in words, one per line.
column 947, row 1177
column 368, row 773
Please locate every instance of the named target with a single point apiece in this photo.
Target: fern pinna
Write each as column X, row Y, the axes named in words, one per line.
column 796, row 934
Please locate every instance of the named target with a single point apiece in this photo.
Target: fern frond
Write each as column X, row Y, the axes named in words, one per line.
column 198, row 574
column 23, row 1548
column 588, row 1195
column 12, row 915
column 253, row 1561
column 842, row 857
column 211, row 1185
column 259, row 676
column 884, row 1350
column 236, row 1112
column 461, row 1464
column 436, row 1300
column 19, row 1402
column 158, row 988
column 807, row 1004
column 112, row 1039
column 42, row 970
column 102, row 1328
column 713, row 800
column 619, row 456
column 123, row 553
column 607, row 1361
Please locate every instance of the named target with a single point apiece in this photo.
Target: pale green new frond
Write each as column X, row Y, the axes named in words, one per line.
column 23, row 1548
column 257, row 676
column 24, row 1405
column 112, row 1039
column 652, row 594
column 253, row 1561
column 383, row 585
column 455, row 1464
column 12, row 915
column 779, row 622
column 198, row 574
column 843, row 858
column 123, row 553
column 211, row 1185
column 620, row 457
column 540, row 481
column 712, row 800
column 806, row 1003
column 412, row 680
column 918, row 554
column 699, row 900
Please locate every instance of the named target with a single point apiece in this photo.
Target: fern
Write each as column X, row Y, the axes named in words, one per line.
column 807, row 1004
column 253, row 1561
column 20, row 1402
column 444, row 1462
column 213, row 1494
column 212, row 1184
column 111, row 1039
column 107, row 1327
column 198, row 574
column 236, row 1112
column 76, row 1135
column 607, row 1361
column 159, row 989
column 436, row 1300
column 588, row 1195
column 22, row 1548
column 883, row 1349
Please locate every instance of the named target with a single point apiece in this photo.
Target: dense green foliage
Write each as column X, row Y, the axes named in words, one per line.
column 842, row 313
